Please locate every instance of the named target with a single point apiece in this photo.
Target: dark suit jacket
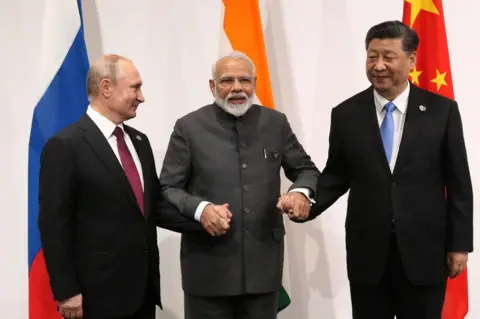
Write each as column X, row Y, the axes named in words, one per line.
column 432, row 157
column 94, row 237
column 214, row 156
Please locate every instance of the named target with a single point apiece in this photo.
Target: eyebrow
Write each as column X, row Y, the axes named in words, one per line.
column 385, row 52
column 241, row 77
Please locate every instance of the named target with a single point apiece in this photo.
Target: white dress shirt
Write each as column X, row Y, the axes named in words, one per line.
column 107, row 127
column 398, row 114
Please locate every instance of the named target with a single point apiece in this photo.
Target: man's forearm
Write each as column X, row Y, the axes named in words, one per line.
column 185, row 203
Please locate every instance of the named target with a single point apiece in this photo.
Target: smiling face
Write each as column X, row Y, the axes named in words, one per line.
column 234, row 85
column 388, row 66
column 125, row 95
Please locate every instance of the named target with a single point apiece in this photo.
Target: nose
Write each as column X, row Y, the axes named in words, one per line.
column 379, row 65
column 237, row 86
column 140, row 97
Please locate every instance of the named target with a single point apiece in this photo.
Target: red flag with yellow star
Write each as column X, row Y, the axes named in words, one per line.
column 432, row 73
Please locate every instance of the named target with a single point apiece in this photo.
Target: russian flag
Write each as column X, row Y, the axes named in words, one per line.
column 63, row 70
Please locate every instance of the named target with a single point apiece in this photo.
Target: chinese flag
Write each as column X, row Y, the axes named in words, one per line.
column 432, row 73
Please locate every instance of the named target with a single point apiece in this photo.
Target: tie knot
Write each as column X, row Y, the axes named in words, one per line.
column 118, row 132
column 389, row 107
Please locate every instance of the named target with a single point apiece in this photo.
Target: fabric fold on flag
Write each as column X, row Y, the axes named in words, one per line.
column 64, row 69
column 433, row 73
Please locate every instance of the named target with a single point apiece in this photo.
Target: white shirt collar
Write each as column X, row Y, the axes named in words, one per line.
column 400, row 102
column 105, row 125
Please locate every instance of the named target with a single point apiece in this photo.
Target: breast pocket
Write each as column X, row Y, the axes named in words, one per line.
column 272, row 158
column 272, row 154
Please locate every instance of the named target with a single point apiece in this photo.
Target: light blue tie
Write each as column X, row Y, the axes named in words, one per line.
column 387, row 128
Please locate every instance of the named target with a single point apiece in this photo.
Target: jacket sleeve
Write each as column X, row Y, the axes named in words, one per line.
column 296, row 163
column 176, row 172
column 167, row 215
column 458, row 187
column 334, row 180
column 56, row 216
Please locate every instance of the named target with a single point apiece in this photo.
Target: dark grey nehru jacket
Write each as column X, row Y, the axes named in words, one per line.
column 216, row 157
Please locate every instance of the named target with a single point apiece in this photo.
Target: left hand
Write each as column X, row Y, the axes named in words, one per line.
column 456, row 261
column 295, row 204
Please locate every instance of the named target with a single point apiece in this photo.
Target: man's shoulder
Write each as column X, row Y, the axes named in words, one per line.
column 65, row 138
column 359, row 98
column 270, row 112
column 72, row 130
column 201, row 112
column 432, row 97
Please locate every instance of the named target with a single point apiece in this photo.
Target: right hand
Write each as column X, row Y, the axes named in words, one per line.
column 71, row 308
column 296, row 205
column 216, row 219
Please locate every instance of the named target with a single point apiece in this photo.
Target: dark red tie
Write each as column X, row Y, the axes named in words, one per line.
column 129, row 166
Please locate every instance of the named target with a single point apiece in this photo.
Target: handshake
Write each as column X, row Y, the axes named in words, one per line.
column 296, row 205
column 215, row 219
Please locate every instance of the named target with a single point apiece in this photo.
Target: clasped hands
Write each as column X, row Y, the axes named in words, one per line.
column 296, row 205
column 215, row 219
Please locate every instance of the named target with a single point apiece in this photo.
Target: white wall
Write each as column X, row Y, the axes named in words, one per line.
column 316, row 59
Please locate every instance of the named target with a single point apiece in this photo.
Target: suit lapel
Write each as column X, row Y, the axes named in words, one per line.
column 371, row 118
column 94, row 137
column 411, row 128
column 141, row 147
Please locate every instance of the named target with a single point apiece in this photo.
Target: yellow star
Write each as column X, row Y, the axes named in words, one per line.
column 417, row 5
column 414, row 75
column 440, row 80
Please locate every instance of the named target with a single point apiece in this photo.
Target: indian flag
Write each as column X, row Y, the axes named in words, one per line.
column 242, row 31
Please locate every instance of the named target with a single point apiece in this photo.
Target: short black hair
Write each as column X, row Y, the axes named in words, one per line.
column 394, row 30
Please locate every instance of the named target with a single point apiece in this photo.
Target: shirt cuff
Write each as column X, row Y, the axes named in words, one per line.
column 199, row 210
column 304, row 191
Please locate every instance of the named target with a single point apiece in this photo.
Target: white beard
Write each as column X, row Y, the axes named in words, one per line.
column 236, row 110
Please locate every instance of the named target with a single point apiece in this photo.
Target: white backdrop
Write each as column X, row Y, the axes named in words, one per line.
column 316, row 58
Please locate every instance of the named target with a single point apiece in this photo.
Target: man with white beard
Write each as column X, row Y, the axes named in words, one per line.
column 222, row 168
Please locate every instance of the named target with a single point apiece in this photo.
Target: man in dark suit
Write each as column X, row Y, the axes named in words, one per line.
column 100, row 203
column 398, row 149
column 223, row 161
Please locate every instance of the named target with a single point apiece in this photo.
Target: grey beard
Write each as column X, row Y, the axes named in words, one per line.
column 236, row 110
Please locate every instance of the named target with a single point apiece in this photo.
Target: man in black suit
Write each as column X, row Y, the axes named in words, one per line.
column 398, row 148
column 100, row 203
column 223, row 161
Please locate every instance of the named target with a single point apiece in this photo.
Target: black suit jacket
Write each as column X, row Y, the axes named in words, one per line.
column 216, row 157
column 432, row 158
column 94, row 237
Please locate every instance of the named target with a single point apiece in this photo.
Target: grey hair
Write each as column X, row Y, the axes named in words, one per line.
column 106, row 67
column 233, row 55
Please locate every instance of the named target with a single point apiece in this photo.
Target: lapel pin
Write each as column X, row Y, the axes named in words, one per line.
column 139, row 137
column 422, row 108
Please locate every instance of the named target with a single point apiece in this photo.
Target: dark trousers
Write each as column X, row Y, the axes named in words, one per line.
column 396, row 296
column 146, row 310
column 254, row 306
